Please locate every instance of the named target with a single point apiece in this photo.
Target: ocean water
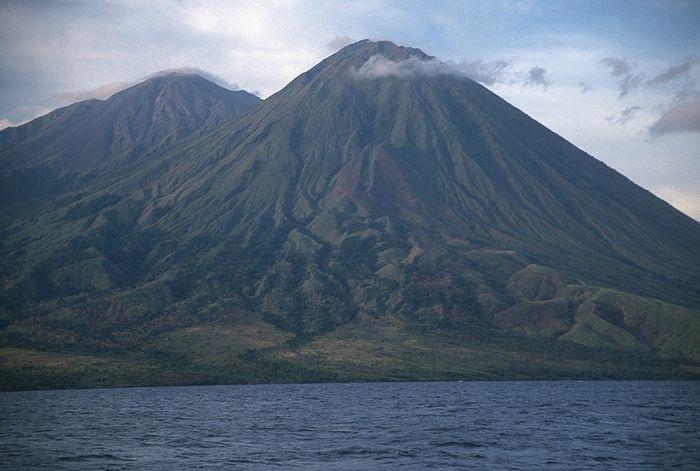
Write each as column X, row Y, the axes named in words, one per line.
column 628, row 425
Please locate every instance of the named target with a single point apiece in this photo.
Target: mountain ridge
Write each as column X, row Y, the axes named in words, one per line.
column 422, row 207
column 161, row 120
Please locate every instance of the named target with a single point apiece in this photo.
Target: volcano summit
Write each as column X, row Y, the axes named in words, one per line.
column 382, row 217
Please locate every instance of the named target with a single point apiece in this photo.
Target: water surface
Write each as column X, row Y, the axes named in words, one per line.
column 473, row 425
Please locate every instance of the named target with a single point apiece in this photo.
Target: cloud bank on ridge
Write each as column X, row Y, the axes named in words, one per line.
column 379, row 66
column 105, row 91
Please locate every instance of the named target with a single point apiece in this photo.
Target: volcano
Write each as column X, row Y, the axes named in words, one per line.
column 395, row 222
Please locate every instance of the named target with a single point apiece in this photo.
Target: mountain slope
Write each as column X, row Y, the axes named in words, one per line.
column 155, row 112
column 420, row 206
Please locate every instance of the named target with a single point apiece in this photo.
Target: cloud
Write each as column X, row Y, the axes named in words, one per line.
column 487, row 73
column 35, row 112
column 618, row 65
column 683, row 199
column 584, row 87
column 682, row 116
column 101, row 93
column 46, row 47
column 672, row 73
column 624, row 116
column 536, row 76
column 628, row 83
column 6, row 123
column 379, row 66
column 621, row 67
column 193, row 71
column 105, row 91
column 338, row 43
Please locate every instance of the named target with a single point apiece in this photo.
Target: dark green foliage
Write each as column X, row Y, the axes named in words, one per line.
column 91, row 207
column 426, row 208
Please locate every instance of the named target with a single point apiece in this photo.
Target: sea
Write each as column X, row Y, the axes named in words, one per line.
column 500, row 425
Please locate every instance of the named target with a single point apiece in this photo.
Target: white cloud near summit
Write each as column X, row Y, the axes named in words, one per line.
column 101, row 93
column 487, row 73
column 379, row 66
column 69, row 50
column 105, row 91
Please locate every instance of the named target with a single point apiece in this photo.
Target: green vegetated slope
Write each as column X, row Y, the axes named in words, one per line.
column 348, row 227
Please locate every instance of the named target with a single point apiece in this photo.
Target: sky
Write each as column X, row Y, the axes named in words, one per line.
column 619, row 79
